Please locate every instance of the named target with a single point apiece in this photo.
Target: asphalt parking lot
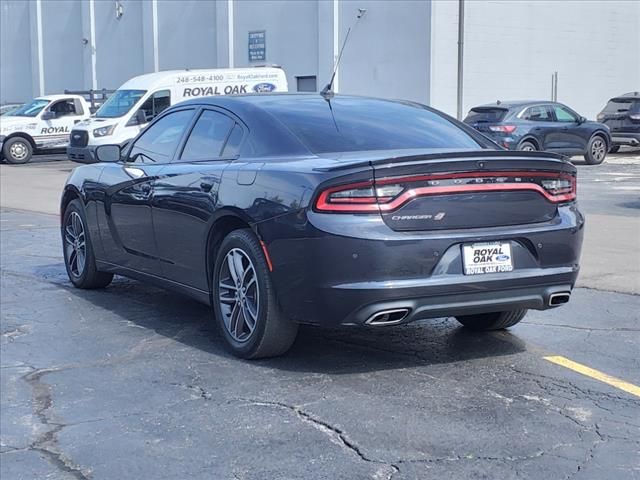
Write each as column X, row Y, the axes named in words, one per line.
column 133, row 382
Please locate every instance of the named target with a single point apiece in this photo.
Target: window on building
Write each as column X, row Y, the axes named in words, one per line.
column 307, row 84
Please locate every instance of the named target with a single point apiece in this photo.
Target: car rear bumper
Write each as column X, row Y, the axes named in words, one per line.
column 336, row 276
column 81, row 154
column 620, row 138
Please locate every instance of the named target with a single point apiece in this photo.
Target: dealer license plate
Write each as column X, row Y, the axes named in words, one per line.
column 489, row 257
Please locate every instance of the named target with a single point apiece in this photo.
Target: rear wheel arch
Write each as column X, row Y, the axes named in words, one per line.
column 532, row 140
column 220, row 228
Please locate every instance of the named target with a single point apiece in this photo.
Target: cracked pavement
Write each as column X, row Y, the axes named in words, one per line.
column 133, row 382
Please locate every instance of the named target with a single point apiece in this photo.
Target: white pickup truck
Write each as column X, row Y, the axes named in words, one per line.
column 42, row 124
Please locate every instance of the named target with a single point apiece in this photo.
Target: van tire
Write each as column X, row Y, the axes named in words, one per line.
column 17, row 150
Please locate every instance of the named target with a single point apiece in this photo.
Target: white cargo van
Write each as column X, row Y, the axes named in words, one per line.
column 139, row 100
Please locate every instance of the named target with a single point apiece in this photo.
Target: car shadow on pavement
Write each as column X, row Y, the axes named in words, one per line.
column 338, row 350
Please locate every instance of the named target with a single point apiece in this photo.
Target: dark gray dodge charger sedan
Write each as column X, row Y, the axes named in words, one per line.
column 284, row 209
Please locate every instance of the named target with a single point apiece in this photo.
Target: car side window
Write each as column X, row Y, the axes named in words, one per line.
column 156, row 104
column 564, row 115
column 207, row 137
column 538, row 113
column 232, row 147
column 159, row 141
column 63, row 108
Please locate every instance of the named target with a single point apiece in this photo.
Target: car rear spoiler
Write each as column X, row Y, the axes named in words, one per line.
column 464, row 155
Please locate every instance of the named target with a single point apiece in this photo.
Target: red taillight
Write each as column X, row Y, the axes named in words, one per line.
column 389, row 194
column 503, row 128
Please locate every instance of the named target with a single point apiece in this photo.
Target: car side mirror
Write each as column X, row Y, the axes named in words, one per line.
column 581, row 120
column 108, row 153
column 48, row 115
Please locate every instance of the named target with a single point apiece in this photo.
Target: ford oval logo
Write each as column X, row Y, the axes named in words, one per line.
column 502, row 258
column 264, row 87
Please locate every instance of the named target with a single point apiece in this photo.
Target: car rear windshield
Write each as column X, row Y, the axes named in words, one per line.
column 621, row 105
column 359, row 124
column 485, row 115
column 119, row 103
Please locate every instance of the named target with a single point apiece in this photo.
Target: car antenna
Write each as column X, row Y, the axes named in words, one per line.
column 327, row 92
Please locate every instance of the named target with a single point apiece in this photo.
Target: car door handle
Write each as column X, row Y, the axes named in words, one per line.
column 206, row 186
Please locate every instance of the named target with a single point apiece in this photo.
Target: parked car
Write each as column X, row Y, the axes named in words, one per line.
column 285, row 209
column 622, row 116
column 42, row 124
column 9, row 107
column 140, row 99
column 547, row 126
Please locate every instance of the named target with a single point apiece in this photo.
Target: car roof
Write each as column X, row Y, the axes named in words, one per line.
column 626, row 96
column 508, row 104
column 243, row 104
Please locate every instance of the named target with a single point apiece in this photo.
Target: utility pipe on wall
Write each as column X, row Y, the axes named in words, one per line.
column 460, row 55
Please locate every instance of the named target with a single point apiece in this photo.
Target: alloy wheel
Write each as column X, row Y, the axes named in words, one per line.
column 239, row 295
column 598, row 150
column 75, row 244
column 19, row 151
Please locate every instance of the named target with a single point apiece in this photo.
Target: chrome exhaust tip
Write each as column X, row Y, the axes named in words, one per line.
column 388, row 317
column 559, row 298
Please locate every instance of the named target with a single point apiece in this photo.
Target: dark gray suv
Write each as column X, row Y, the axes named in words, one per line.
column 541, row 125
column 622, row 116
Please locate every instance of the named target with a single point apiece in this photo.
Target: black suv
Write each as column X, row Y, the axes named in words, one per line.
column 541, row 125
column 622, row 116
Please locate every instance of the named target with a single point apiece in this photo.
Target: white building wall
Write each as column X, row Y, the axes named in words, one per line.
column 513, row 47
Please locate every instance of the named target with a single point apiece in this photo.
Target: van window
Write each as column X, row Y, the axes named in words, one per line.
column 207, row 137
column 159, row 141
column 119, row 103
column 155, row 104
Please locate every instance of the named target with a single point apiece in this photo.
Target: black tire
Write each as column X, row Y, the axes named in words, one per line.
column 17, row 150
column 272, row 333
column 596, row 150
column 492, row 321
column 614, row 149
column 527, row 146
column 88, row 277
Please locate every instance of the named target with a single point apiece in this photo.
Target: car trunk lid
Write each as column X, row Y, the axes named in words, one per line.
column 491, row 189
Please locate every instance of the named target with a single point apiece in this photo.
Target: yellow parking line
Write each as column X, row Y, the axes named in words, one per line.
column 590, row 372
